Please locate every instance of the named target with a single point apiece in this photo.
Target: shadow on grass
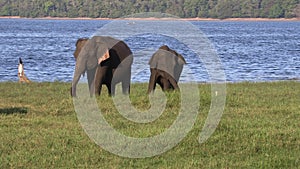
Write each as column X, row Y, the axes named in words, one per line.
column 14, row 110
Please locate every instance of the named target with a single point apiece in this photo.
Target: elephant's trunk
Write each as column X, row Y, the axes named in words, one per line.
column 74, row 84
column 80, row 68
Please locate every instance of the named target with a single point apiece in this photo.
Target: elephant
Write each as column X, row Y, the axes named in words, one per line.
column 165, row 66
column 106, row 60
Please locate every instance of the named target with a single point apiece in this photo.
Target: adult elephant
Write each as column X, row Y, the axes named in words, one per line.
column 106, row 60
column 166, row 66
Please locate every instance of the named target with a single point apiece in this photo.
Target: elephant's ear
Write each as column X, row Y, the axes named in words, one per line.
column 102, row 48
column 79, row 45
column 104, row 57
column 181, row 59
column 154, row 60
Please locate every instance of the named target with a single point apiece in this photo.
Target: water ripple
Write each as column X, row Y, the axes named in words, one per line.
column 250, row 51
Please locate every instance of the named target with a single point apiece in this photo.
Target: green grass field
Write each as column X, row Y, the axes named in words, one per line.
column 259, row 128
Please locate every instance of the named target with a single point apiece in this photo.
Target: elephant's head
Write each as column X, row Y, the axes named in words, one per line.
column 79, row 46
column 86, row 56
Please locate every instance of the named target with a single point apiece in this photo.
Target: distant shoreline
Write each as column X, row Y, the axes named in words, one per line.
column 185, row 19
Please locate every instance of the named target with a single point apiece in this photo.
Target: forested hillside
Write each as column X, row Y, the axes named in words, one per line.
column 181, row 8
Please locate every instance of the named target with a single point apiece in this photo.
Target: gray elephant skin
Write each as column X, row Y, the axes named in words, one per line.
column 106, row 60
column 165, row 66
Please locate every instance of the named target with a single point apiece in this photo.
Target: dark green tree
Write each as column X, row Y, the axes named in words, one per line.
column 276, row 11
column 181, row 8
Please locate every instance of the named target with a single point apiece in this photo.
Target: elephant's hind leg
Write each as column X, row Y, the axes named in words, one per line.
column 91, row 83
column 126, row 86
column 164, row 84
column 126, row 82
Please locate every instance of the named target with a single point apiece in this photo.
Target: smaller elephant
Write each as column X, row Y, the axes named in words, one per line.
column 106, row 60
column 165, row 66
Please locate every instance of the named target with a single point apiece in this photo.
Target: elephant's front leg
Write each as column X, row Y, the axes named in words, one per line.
column 90, row 77
column 100, row 78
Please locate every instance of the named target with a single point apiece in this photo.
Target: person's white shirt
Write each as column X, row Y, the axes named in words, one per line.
column 20, row 69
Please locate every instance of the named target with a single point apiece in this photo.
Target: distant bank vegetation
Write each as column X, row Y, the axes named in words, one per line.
column 183, row 8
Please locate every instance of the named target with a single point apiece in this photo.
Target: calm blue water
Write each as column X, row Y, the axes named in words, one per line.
column 249, row 51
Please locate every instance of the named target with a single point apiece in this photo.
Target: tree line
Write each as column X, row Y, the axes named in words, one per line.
column 181, row 8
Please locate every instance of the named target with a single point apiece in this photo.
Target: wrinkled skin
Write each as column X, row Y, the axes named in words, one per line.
column 165, row 66
column 106, row 61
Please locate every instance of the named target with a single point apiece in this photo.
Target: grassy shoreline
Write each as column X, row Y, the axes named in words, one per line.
column 259, row 129
column 184, row 19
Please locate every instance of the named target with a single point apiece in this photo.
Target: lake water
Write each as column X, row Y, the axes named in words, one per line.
column 249, row 51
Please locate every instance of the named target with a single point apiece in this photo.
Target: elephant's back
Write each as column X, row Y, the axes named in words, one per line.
column 119, row 46
column 122, row 50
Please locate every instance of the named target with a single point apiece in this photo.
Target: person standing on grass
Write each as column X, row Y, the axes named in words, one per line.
column 21, row 74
